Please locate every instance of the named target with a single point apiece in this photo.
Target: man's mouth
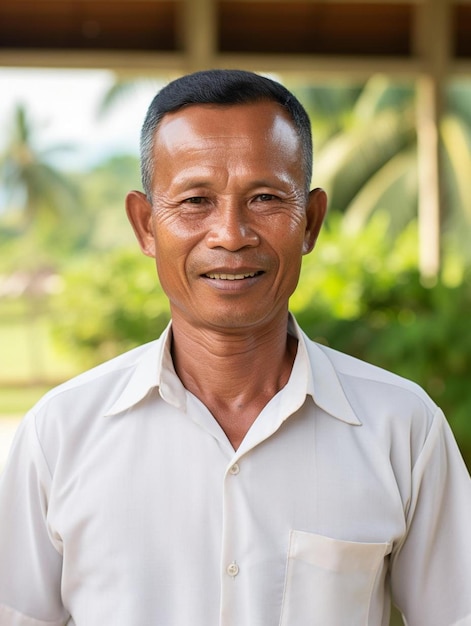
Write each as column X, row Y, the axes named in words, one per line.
column 224, row 276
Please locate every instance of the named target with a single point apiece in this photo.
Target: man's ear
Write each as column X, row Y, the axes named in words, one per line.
column 139, row 212
column 315, row 213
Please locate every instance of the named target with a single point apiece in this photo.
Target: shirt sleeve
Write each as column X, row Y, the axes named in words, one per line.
column 30, row 565
column 431, row 569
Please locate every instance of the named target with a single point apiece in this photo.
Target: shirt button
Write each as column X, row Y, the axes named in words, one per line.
column 232, row 569
column 235, row 469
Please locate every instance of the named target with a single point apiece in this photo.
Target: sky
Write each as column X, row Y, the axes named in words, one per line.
column 64, row 104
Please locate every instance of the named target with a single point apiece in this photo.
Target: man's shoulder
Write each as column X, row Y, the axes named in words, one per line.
column 103, row 381
column 361, row 377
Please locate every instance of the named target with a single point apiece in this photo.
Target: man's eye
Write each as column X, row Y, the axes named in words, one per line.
column 265, row 197
column 195, row 200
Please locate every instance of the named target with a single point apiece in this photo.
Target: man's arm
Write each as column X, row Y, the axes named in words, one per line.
column 431, row 570
column 30, row 565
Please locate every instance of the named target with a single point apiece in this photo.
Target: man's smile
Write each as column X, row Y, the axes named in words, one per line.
column 227, row 276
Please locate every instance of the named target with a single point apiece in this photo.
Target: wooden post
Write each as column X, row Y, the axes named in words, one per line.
column 429, row 177
column 433, row 39
column 199, row 33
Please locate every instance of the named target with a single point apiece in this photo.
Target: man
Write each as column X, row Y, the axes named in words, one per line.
column 233, row 472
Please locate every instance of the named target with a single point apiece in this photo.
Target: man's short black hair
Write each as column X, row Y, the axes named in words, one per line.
column 221, row 87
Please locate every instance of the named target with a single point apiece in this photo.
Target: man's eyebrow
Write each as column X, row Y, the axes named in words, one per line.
column 202, row 179
column 265, row 182
column 189, row 180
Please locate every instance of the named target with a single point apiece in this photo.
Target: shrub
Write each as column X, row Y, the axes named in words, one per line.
column 383, row 314
column 109, row 303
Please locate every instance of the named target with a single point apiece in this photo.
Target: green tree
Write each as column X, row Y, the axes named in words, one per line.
column 362, row 296
column 103, row 189
column 40, row 201
column 111, row 301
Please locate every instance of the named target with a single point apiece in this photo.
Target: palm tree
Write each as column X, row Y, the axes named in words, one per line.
column 39, row 203
column 39, row 196
column 367, row 158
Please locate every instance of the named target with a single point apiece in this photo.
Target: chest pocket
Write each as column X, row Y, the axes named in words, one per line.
column 329, row 582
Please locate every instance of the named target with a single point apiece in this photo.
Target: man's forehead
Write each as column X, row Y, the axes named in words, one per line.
column 227, row 121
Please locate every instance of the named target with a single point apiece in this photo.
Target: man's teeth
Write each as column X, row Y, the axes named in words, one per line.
column 230, row 276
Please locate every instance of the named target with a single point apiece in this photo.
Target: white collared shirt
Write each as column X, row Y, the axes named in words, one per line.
column 124, row 504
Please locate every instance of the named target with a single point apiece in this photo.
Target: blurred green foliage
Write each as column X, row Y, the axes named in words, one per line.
column 104, row 187
column 362, row 295
column 111, row 302
column 365, row 152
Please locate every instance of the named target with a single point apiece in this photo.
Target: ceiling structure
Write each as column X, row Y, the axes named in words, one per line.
column 308, row 36
column 426, row 40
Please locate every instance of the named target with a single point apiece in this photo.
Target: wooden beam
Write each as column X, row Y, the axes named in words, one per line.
column 308, row 65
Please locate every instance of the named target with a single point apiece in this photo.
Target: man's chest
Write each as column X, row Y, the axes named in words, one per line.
column 165, row 509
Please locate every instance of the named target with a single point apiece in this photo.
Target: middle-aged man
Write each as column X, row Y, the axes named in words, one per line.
column 233, row 473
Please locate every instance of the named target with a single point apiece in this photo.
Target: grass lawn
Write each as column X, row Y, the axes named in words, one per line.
column 28, row 353
column 15, row 401
column 30, row 361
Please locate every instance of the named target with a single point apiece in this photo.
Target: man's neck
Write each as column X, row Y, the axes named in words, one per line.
column 234, row 374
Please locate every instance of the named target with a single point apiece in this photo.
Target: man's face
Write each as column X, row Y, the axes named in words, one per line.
column 230, row 219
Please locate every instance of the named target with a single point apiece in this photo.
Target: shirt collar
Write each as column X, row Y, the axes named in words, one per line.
column 154, row 369
column 323, row 381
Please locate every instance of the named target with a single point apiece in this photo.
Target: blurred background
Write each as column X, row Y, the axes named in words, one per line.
column 388, row 89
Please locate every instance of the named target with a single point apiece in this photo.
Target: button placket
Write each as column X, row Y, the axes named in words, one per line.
column 233, row 569
column 231, row 581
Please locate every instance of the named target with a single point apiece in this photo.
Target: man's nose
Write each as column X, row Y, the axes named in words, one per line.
column 232, row 227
